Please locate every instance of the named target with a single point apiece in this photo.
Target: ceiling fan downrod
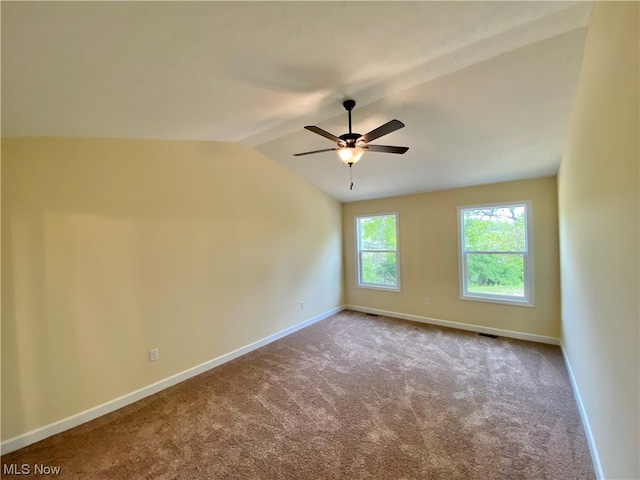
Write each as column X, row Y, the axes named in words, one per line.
column 349, row 105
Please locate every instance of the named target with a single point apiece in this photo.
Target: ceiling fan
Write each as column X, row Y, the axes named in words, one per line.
column 351, row 146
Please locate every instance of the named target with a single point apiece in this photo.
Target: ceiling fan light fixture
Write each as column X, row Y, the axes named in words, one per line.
column 350, row 155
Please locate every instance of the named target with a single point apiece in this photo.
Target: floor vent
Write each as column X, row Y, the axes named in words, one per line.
column 372, row 314
column 487, row 335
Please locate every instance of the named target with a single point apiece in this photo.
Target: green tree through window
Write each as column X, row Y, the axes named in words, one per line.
column 495, row 254
column 377, row 251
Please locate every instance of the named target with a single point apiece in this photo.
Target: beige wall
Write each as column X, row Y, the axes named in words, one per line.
column 429, row 257
column 113, row 247
column 598, row 208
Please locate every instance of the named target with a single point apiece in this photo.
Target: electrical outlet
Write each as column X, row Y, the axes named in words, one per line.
column 153, row 354
column 427, row 300
column 302, row 305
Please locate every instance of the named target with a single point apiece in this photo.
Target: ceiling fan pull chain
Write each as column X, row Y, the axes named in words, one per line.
column 350, row 179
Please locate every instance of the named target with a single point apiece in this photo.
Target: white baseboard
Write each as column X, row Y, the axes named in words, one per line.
column 585, row 420
column 34, row 436
column 460, row 326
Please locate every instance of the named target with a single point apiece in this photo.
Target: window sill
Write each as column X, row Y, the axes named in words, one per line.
column 379, row 287
column 501, row 301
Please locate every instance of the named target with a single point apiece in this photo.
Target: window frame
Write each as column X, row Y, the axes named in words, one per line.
column 359, row 251
column 528, row 299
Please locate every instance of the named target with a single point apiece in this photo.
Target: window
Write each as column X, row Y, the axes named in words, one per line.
column 377, row 248
column 496, row 261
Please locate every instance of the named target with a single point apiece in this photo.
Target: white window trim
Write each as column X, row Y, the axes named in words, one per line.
column 528, row 300
column 373, row 286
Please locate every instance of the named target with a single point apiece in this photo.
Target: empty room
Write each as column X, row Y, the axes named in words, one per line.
column 320, row 240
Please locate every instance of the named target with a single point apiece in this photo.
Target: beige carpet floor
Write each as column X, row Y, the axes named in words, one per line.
column 350, row 397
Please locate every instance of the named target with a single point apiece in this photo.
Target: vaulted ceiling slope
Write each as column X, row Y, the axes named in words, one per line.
column 485, row 88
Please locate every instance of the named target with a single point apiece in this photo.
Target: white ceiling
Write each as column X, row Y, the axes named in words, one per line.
column 485, row 88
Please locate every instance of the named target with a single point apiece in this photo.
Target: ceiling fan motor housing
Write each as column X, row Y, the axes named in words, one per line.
column 350, row 139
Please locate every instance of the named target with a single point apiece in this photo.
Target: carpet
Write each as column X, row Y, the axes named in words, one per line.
column 351, row 397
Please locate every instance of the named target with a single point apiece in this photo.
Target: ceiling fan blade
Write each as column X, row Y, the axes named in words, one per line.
column 385, row 149
column 315, row 151
column 324, row 133
column 385, row 129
